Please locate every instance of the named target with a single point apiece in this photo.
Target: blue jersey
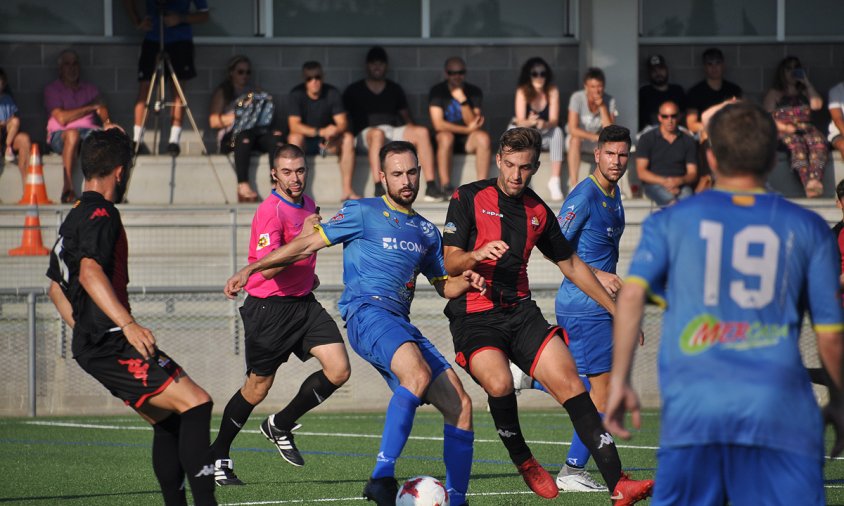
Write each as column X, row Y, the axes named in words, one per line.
column 384, row 250
column 593, row 222
column 738, row 270
column 180, row 32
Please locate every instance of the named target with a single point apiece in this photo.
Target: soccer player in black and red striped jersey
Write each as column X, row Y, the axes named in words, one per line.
column 88, row 269
column 491, row 227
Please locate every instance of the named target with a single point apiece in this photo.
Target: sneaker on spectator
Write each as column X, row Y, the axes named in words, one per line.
column 10, row 155
column 382, row 491
column 224, row 473
column 173, row 149
column 142, row 149
column 629, row 491
column 521, row 381
column 283, row 440
column 577, row 479
column 432, row 194
column 555, row 189
column 538, row 479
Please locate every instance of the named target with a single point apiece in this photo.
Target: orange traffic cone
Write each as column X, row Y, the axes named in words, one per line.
column 34, row 191
column 31, row 244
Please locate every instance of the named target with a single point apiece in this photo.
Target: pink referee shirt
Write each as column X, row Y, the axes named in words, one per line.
column 276, row 222
column 57, row 95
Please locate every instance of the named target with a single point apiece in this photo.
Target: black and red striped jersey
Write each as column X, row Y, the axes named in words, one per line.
column 479, row 213
column 92, row 229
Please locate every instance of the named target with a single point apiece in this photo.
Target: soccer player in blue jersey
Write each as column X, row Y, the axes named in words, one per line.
column 386, row 245
column 738, row 268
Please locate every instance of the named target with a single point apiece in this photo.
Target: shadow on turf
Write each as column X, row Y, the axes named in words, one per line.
column 78, row 496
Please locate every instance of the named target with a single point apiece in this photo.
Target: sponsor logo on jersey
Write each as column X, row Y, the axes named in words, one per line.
column 100, row 212
column 534, row 222
column 427, row 228
column 491, row 213
column 337, row 217
column 393, row 243
column 449, row 228
column 390, row 243
column 705, row 331
column 263, row 241
column 137, row 368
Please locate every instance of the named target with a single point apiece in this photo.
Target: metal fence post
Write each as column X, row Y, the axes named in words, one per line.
column 235, row 328
column 30, row 304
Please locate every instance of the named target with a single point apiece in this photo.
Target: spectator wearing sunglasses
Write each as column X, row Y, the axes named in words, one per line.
column 319, row 125
column 458, row 120
column 666, row 159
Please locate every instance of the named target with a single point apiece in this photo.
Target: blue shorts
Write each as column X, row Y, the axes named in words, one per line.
column 375, row 334
column 714, row 474
column 590, row 342
column 57, row 143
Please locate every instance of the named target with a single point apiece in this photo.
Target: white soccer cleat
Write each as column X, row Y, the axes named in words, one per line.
column 521, row 381
column 573, row 479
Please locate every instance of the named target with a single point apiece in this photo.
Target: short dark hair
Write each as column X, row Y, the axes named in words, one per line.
column 103, row 151
column 614, row 133
column 311, row 65
column 289, row 151
column 839, row 190
column 395, row 147
column 594, row 73
column 521, row 139
column 454, row 59
column 743, row 138
column 376, row 53
column 712, row 54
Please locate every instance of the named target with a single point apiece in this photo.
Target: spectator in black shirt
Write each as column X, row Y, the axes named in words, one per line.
column 380, row 114
column 455, row 109
column 318, row 123
column 656, row 92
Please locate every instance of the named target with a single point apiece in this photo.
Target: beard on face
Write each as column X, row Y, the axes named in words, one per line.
column 401, row 200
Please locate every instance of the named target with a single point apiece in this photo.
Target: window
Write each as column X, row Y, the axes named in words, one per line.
column 228, row 19
column 341, row 18
column 499, row 19
column 715, row 18
column 813, row 17
column 37, row 17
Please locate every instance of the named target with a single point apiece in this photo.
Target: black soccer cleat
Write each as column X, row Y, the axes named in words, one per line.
column 224, row 473
column 382, row 491
column 283, row 440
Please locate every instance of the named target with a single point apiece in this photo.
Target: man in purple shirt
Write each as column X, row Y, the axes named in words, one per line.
column 75, row 108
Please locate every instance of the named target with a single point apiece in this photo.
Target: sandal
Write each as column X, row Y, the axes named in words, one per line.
column 68, row 197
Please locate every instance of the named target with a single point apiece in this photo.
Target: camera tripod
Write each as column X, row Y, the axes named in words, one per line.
column 164, row 68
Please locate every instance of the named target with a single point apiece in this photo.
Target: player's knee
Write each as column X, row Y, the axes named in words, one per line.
column 499, row 387
column 338, row 374
column 255, row 390
column 445, row 139
column 418, row 381
column 375, row 136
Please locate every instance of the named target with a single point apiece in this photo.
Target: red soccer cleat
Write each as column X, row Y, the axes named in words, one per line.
column 538, row 479
column 629, row 491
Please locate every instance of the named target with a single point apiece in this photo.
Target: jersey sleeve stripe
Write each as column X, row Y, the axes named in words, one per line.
column 652, row 297
column 438, row 278
column 325, row 238
column 828, row 327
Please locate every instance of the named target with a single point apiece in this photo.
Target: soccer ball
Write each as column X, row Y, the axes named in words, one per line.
column 422, row 491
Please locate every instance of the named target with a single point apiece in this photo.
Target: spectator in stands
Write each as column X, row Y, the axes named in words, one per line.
column 224, row 102
column 11, row 136
column 75, row 108
column 458, row 120
column 666, row 159
column 318, row 123
column 791, row 100
column 836, row 113
column 590, row 109
column 178, row 44
column 656, row 92
column 379, row 112
column 713, row 90
column 838, row 230
column 538, row 106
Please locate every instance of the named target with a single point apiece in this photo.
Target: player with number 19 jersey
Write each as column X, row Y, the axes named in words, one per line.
column 733, row 267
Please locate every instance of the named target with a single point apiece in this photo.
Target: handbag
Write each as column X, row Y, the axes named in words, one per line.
column 252, row 110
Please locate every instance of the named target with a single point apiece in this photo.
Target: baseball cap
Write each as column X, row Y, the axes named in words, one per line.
column 656, row 60
column 377, row 53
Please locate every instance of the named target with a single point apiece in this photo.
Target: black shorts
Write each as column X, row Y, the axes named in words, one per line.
column 275, row 327
column 119, row 367
column 520, row 332
column 181, row 56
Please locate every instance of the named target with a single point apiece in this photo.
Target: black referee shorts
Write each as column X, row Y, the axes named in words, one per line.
column 519, row 331
column 181, row 56
column 275, row 327
column 119, row 367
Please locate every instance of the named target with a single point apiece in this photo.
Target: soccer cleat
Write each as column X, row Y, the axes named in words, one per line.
column 432, row 194
column 629, row 491
column 224, row 473
column 574, row 479
column 521, row 381
column 382, row 491
column 283, row 440
column 538, row 479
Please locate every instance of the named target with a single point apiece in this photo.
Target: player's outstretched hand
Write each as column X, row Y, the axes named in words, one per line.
column 475, row 280
column 834, row 415
column 236, row 282
column 620, row 401
column 492, row 250
column 310, row 223
column 140, row 338
column 611, row 282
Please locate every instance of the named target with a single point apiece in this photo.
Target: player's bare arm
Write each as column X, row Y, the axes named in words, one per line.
column 308, row 228
column 458, row 260
column 299, row 248
column 611, row 282
column 582, row 276
column 95, row 282
column 63, row 306
column 626, row 328
column 455, row 286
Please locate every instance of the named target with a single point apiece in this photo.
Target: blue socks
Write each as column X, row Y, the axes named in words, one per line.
column 457, row 454
column 397, row 426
